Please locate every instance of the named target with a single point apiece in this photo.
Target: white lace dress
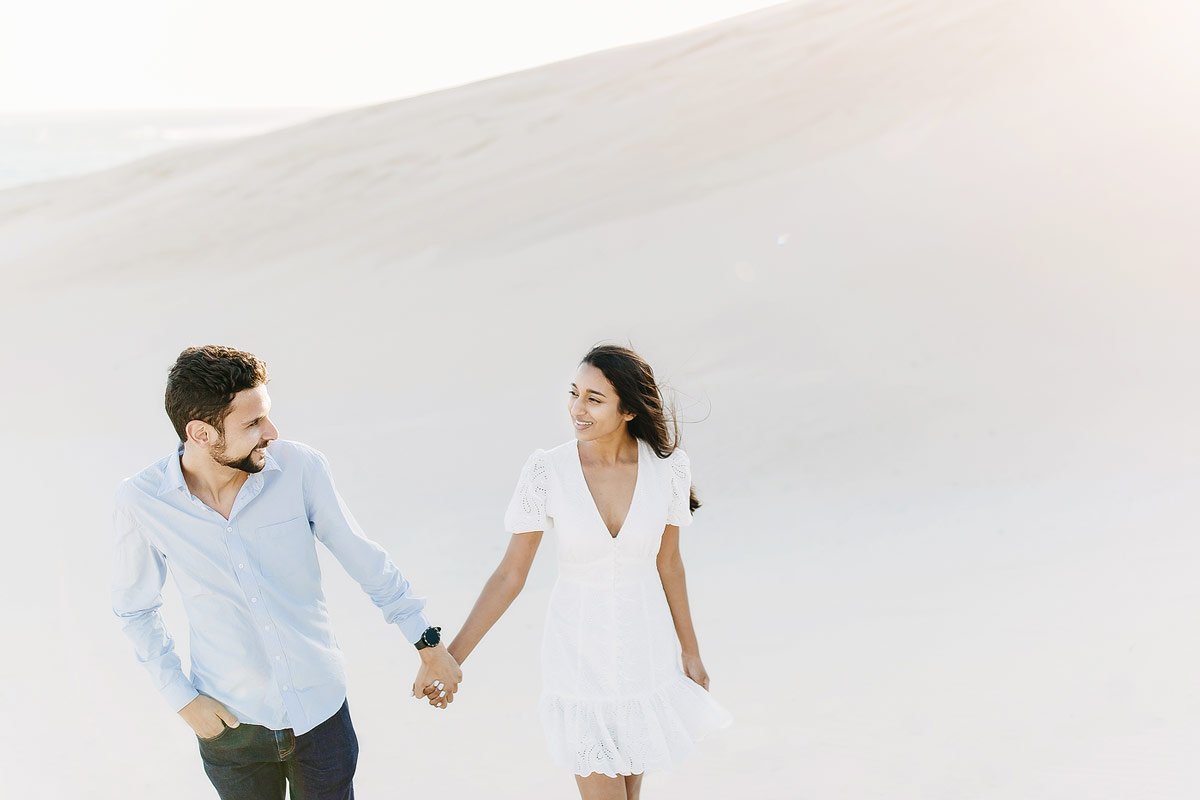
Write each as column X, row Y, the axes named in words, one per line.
column 614, row 697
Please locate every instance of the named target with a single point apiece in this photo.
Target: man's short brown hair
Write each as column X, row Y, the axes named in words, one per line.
column 203, row 382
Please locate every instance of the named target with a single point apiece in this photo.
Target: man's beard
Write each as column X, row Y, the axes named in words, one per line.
column 245, row 464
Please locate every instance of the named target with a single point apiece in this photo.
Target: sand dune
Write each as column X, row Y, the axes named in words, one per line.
column 922, row 272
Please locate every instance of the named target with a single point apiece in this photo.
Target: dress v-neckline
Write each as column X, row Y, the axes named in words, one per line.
column 637, row 481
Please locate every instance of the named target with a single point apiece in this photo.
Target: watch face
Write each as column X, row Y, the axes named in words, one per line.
column 432, row 637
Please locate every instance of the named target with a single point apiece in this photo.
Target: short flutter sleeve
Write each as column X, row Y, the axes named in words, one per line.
column 527, row 511
column 679, row 469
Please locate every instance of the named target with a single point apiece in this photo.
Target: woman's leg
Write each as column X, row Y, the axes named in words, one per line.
column 599, row 786
column 633, row 786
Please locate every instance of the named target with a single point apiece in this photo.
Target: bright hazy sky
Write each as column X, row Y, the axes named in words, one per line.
column 146, row 54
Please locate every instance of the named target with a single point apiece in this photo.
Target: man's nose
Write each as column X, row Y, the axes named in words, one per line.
column 271, row 431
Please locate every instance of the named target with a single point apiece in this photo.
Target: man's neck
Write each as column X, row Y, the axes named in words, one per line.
column 213, row 483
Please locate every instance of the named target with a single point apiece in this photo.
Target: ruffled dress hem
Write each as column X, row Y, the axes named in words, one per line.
column 630, row 735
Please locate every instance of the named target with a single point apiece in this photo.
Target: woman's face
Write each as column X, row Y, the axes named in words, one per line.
column 594, row 406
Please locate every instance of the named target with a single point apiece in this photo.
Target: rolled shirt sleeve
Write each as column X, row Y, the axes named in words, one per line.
column 363, row 559
column 139, row 571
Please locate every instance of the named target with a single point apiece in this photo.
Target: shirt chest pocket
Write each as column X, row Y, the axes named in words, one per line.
column 286, row 549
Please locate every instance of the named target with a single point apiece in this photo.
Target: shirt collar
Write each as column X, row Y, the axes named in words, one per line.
column 173, row 474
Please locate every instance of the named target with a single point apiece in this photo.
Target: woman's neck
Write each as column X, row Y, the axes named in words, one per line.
column 609, row 450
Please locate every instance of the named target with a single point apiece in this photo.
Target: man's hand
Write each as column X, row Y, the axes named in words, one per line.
column 207, row 717
column 438, row 678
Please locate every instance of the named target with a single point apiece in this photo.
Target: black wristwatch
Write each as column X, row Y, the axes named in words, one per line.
column 429, row 638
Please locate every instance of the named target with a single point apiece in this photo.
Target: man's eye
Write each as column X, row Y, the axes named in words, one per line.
column 594, row 400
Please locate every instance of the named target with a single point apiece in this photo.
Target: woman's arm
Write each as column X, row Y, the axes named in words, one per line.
column 670, row 570
column 498, row 593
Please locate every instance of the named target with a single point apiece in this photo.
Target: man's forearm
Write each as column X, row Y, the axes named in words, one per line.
column 155, row 650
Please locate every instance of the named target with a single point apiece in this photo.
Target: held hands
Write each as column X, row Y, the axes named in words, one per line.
column 693, row 667
column 438, row 678
column 207, row 717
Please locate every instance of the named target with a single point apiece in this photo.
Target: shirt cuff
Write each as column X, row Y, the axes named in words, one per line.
column 179, row 692
column 413, row 627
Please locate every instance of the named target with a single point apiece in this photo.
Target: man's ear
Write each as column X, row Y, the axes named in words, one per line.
column 200, row 433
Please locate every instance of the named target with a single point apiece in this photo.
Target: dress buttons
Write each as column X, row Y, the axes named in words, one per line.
column 253, row 599
column 241, row 566
column 229, row 530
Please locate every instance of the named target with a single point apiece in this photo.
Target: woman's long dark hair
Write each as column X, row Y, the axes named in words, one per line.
column 641, row 396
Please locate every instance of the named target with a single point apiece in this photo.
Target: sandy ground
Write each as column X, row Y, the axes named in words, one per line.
column 922, row 273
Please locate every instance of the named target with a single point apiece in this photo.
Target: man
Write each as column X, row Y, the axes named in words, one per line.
column 234, row 514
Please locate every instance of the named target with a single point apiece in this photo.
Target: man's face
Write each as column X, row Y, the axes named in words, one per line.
column 248, row 431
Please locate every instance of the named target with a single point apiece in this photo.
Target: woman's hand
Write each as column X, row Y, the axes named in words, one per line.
column 438, row 678
column 693, row 667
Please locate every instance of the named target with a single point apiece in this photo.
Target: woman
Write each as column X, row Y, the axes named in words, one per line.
column 617, row 697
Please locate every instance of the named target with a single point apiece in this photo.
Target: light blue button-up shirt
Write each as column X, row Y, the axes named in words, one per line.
column 261, row 639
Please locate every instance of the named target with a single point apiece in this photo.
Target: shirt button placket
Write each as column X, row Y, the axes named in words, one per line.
column 252, row 591
column 271, row 639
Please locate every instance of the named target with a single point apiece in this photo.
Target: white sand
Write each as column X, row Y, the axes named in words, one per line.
column 927, row 267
